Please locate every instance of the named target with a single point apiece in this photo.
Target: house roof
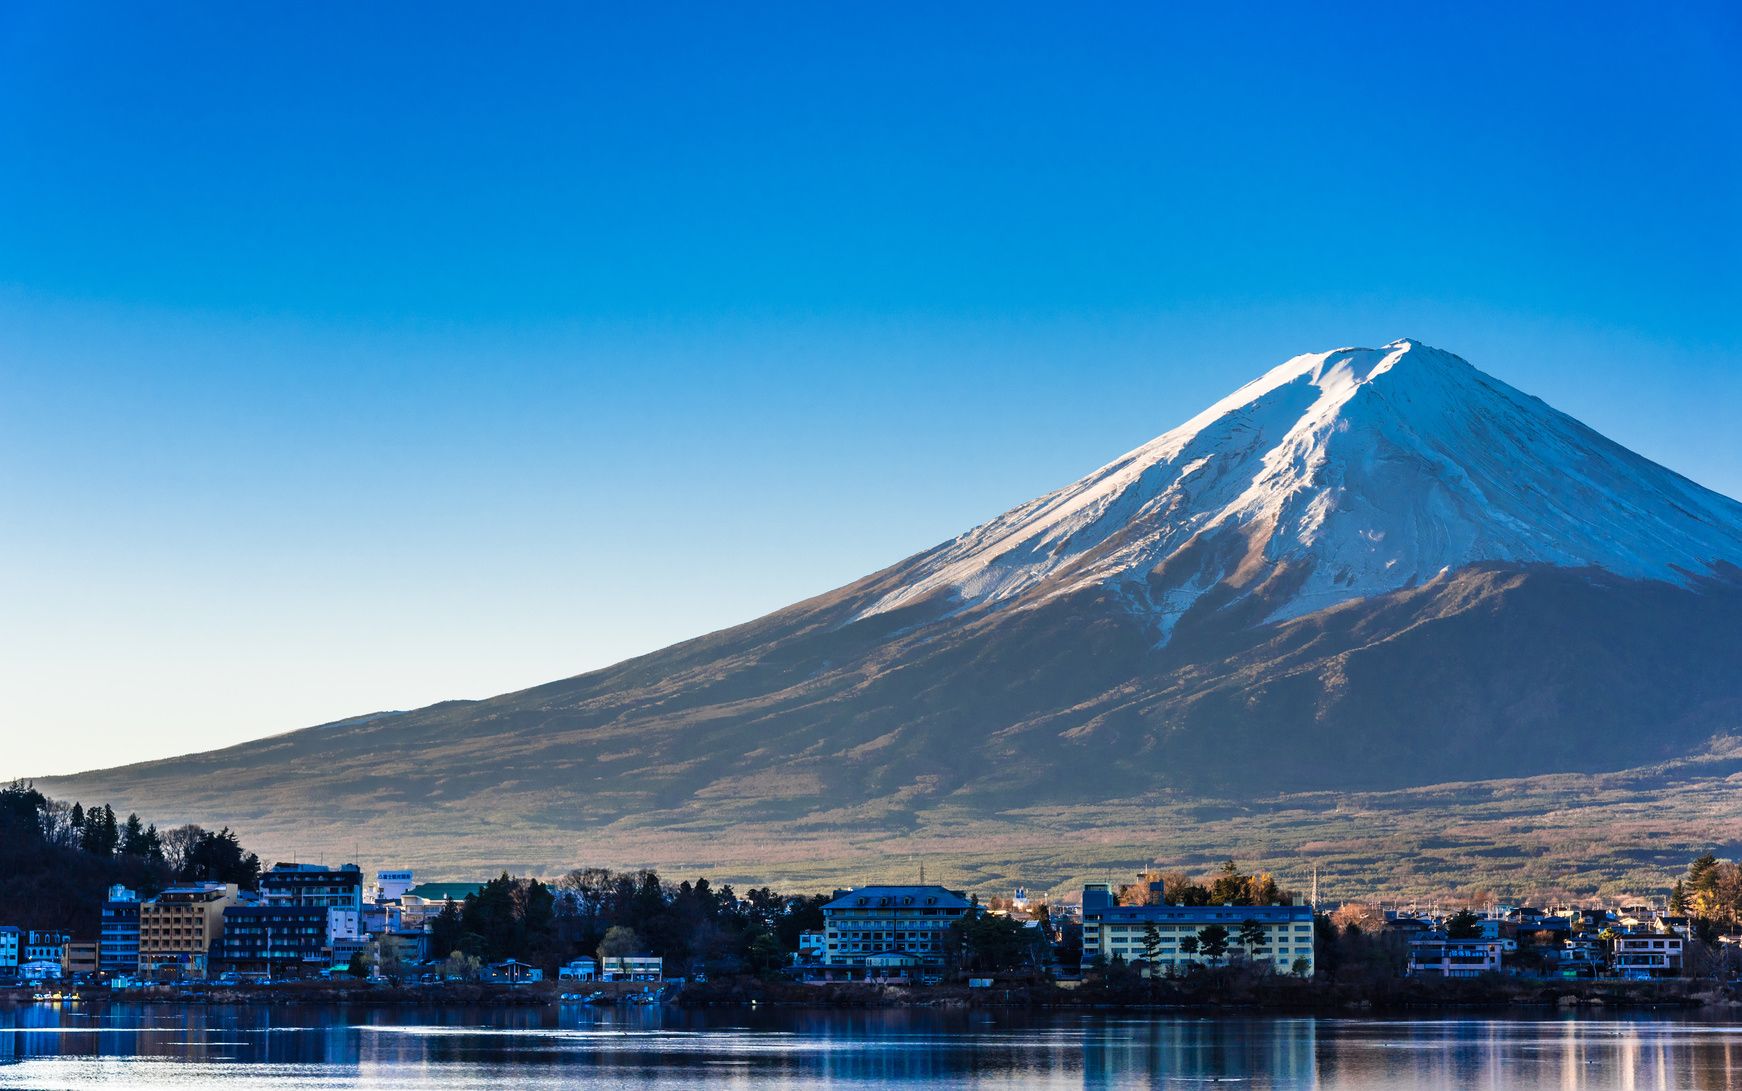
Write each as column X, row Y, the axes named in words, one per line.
column 441, row 892
column 898, row 897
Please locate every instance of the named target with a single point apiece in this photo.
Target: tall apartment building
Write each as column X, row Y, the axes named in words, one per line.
column 886, row 932
column 1113, row 931
column 10, row 950
column 276, row 938
column 179, row 928
column 313, row 885
column 118, row 938
column 338, row 890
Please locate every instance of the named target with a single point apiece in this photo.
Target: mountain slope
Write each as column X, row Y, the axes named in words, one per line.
column 1370, row 569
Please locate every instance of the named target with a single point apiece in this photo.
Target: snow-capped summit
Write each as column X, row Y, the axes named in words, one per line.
column 1340, row 475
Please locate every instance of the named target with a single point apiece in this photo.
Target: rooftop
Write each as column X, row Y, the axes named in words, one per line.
column 441, row 892
column 900, row 897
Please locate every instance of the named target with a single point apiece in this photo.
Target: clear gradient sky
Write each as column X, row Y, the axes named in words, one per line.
column 357, row 356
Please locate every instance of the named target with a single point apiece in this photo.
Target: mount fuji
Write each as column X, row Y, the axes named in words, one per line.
column 1368, row 572
column 1337, row 476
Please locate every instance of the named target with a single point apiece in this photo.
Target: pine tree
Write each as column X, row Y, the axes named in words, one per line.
column 1151, row 943
column 1213, row 941
column 1252, row 936
column 132, row 837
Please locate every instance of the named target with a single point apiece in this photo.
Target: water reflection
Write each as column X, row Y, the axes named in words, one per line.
column 336, row 1047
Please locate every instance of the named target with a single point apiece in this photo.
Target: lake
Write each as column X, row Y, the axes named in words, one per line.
column 160, row 1046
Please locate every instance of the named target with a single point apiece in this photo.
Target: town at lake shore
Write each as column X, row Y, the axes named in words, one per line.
column 106, row 908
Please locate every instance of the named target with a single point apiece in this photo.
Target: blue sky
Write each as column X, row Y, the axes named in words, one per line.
column 360, row 356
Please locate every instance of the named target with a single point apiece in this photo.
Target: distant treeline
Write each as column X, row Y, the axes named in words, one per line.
column 58, row 859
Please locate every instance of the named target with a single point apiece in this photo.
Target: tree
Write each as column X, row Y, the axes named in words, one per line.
column 1229, row 886
column 1252, row 936
column 1463, row 925
column 1213, row 941
column 446, row 932
column 991, row 944
column 388, row 962
column 132, row 837
column 1261, row 889
column 461, row 967
column 178, row 845
column 619, row 942
column 1151, row 943
column 218, row 858
column 764, row 955
column 1189, row 944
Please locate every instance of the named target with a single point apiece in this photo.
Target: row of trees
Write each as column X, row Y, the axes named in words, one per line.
column 694, row 926
column 57, row 859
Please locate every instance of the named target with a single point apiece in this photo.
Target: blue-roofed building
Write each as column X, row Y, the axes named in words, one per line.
column 1112, row 931
column 885, row 933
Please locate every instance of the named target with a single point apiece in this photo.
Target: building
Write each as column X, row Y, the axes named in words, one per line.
column 338, row 891
column 1574, row 958
column 41, row 969
column 379, row 917
column 314, row 885
column 812, row 946
column 78, row 961
column 632, row 968
column 390, row 886
column 407, row 945
column 179, row 928
column 512, row 972
column 10, row 950
column 275, row 938
column 118, row 940
column 1647, row 954
column 420, row 905
column 884, row 933
column 1435, row 955
column 44, row 947
column 1112, row 931
column 581, row 969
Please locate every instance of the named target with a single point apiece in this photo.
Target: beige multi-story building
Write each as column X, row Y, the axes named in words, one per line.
column 178, row 928
column 78, row 960
column 1282, row 935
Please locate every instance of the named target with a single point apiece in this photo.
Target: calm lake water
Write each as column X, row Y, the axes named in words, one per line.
column 127, row 1046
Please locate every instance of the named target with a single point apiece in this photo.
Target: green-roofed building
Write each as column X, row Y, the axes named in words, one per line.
column 425, row 900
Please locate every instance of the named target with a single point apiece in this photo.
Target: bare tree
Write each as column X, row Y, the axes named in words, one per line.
column 177, row 843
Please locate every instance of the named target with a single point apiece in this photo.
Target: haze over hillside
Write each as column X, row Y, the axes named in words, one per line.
column 1366, row 572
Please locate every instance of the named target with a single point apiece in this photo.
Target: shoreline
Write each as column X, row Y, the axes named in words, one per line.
column 1404, row 997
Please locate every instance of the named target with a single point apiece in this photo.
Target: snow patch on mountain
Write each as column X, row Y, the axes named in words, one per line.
column 1356, row 472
